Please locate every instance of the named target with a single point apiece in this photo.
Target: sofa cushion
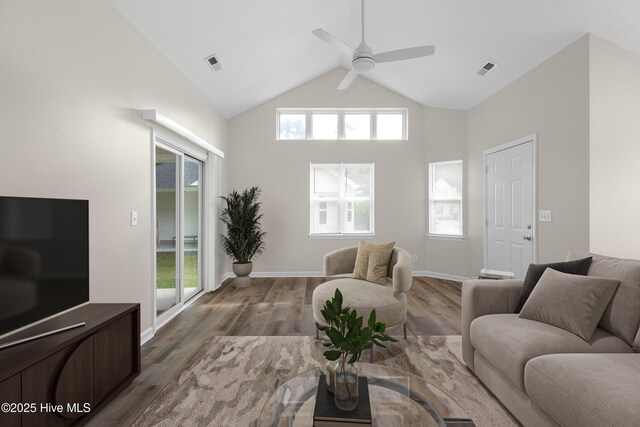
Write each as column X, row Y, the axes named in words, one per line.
column 569, row 301
column 362, row 261
column 378, row 266
column 509, row 342
column 622, row 315
column 586, row 389
column 363, row 296
column 535, row 272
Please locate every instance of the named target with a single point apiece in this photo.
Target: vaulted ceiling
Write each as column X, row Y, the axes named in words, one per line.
column 266, row 48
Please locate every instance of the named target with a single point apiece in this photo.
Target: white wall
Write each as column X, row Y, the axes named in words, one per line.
column 551, row 100
column 614, row 150
column 73, row 76
column 445, row 133
column 281, row 169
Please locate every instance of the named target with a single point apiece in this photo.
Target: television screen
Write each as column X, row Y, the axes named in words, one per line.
column 44, row 258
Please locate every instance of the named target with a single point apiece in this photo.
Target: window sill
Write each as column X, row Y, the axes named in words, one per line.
column 365, row 236
column 444, row 237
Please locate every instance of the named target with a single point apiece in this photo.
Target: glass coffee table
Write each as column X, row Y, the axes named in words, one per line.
column 398, row 398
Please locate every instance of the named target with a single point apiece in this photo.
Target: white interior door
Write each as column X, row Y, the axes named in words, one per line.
column 510, row 207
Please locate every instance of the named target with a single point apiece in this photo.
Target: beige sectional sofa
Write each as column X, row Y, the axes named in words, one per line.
column 547, row 376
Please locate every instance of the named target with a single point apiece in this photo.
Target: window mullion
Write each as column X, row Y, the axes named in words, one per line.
column 374, row 125
column 341, row 196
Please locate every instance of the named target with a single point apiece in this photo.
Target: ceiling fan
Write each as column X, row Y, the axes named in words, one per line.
column 363, row 58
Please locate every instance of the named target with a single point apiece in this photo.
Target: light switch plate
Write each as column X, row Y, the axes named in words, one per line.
column 134, row 218
column 544, row 216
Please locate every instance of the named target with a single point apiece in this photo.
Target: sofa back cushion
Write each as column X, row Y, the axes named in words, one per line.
column 622, row 315
column 572, row 302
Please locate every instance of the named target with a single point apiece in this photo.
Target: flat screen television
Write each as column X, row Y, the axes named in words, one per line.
column 44, row 259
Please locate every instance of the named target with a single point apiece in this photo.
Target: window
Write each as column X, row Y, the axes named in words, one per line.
column 292, row 126
column 341, row 200
column 445, row 198
column 325, row 126
column 357, row 126
column 342, row 124
column 390, row 125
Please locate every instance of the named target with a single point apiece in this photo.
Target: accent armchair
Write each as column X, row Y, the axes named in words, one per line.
column 389, row 301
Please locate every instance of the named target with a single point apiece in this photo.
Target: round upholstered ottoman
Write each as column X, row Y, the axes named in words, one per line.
column 363, row 296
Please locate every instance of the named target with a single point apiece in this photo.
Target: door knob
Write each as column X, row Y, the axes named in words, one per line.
column 527, row 237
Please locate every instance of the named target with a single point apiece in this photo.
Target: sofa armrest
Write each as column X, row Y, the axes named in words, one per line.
column 341, row 261
column 481, row 297
column 402, row 271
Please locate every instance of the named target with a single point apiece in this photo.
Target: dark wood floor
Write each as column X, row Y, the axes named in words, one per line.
column 271, row 306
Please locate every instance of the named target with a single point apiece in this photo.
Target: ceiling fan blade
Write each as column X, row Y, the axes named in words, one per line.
column 402, row 54
column 348, row 79
column 333, row 41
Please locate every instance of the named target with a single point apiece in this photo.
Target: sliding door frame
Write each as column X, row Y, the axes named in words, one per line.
column 181, row 148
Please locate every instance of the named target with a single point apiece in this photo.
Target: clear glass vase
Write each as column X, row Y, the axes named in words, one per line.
column 346, row 386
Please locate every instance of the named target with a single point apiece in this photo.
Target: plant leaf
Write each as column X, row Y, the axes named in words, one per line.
column 332, row 354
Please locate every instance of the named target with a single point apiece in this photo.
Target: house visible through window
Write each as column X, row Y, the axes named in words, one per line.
column 341, row 199
column 322, row 213
column 342, row 124
column 445, row 198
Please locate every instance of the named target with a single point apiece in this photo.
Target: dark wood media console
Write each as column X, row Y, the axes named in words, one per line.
column 50, row 381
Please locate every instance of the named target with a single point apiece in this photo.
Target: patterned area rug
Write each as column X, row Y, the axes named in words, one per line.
column 228, row 380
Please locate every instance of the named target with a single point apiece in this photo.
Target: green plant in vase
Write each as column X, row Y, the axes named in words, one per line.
column 244, row 238
column 347, row 340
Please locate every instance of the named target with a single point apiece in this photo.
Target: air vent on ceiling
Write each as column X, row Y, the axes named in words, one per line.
column 213, row 62
column 487, row 67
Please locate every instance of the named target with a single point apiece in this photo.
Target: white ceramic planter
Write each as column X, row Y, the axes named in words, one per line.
column 242, row 272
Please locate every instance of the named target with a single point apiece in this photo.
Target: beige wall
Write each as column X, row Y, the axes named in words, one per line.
column 615, row 150
column 551, row 100
column 72, row 76
column 445, row 135
column 281, row 169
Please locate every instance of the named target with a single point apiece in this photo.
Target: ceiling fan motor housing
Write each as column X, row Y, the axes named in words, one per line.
column 363, row 59
column 362, row 64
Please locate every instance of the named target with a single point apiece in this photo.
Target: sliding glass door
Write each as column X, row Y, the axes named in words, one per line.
column 178, row 229
column 192, row 226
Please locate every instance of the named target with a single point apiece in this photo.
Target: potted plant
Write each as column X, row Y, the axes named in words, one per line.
column 244, row 239
column 347, row 340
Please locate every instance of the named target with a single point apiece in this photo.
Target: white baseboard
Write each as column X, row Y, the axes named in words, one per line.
column 443, row 276
column 225, row 276
column 280, row 274
column 146, row 336
column 433, row 274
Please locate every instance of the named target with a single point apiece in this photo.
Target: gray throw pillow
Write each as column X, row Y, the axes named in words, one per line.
column 535, row 271
column 568, row 301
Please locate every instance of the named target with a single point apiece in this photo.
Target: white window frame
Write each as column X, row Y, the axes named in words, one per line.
column 373, row 112
column 432, row 200
column 342, row 203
